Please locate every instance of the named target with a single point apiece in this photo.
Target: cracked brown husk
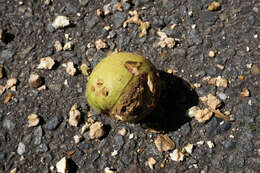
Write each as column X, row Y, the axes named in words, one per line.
column 125, row 86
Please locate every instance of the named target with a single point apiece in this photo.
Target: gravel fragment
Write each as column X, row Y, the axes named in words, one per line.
column 33, row 120
column 70, row 69
column 164, row 143
column 68, row 46
column 35, row 80
column 21, row 148
column 118, row 19
column 7, row 54
column 255, row 70
column 53, row 123
column 83, row 2
column 96, row 130
column 46, row 63
column 118, row 142
column 62, row 165
column 93, row 22
column 42, row 148
column 214, row 6
column 37, row 134
column 229, row 145
column 74, row 115
column 2, row 156
column 60, row 22
column 9, row 125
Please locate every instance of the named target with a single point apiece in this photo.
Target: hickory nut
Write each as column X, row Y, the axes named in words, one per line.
column 125, row 86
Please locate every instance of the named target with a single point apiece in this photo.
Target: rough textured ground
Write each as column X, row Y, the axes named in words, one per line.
column 232, row 32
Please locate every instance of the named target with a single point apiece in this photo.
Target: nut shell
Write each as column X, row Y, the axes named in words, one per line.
column 125, row 86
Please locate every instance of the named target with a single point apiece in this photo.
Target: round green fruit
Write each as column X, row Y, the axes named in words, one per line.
column 125, row 86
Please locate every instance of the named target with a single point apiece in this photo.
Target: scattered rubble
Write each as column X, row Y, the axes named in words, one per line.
column 10, row 83
column 70, row 69
column 177, row 155
column 164, row 143
column 100, row 44
column 165, row 41
column 74, row 115
column 62, row 166
column 96, row 130
column 245, row 92
column 33, row 120
column 60, row 22
column 150, row 162
column 35, row 81
column 214, row 6
column 46, row 63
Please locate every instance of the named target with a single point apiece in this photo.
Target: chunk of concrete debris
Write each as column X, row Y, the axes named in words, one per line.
column 100, row 44
column 165, row 41
column 46, row 63
column 2, row 89
column 96, row 130
column 164, row 143
column 74, row 115
column 203, row 115
column 214, row 6
column 213, row 102
column 35, row 81
column 77, row 138
column 62, row 166
column 122, row 132
column 58, row 46
column 68, row 46
column 70, row 69
column 188, row 148
column 150, row 162
column 176, row 155
column 33, row 120
column 60, row 22
column 210, row 144
column 245, row 93
column 10, row 83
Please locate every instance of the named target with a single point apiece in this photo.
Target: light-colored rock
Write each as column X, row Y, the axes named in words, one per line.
column 213, row 102
column 245, row 92
column 33, row 120
column 77, row 138
column 203, row 115
column 58, row 46
column 192, row 111
column 70, row 69
column 21, row 148
column 109, row 170
column 96, row 130
column 74, row 115
column 46, row 63
column 210, row 144
column 62, row 166
column 214, row 6
column 35, row 80
column 164, row 143
column 100, row 44
column 2, row 89
column 176, row 155
column 14, row 170
column 68, row 46
column 150, row 162
column 211, row 54
column 85, row 127
column 10, row 83
column 60, row 22
column 122, row 132
column 188, row 148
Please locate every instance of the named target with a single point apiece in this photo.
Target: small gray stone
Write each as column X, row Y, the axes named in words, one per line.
column 53, row 123
column 21, row 148
column 194, row 37
column 112, row 34
column 118, row 142
column 2, row 156
column 83, row 2
column 42, row 148
column 8, row 124
column 118, row 19
column 93, row 22
column 95, row 155
column 7, row 54
column 50, row 28
column 207, row 16
column 229, row 145
column 70, row 9
column 222, row 96
column 38, row 135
